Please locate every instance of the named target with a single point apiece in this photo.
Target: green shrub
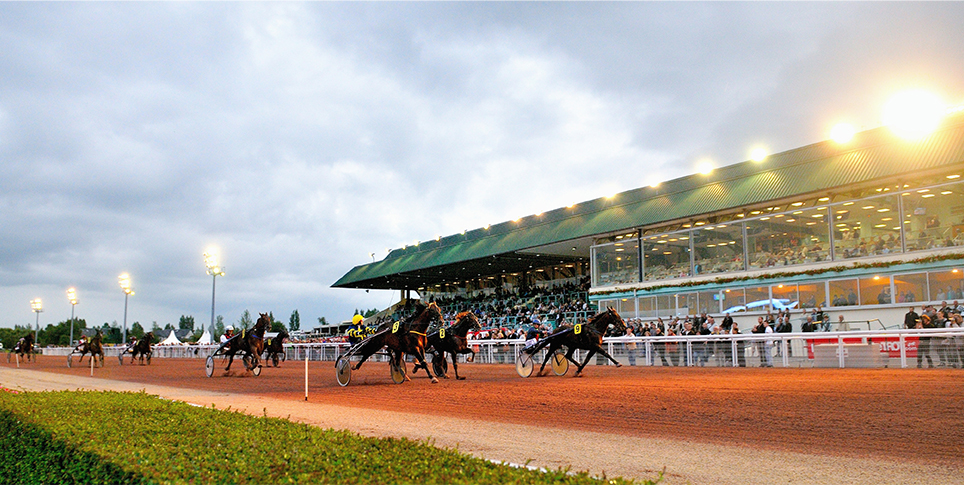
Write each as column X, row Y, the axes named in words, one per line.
column 109, row 437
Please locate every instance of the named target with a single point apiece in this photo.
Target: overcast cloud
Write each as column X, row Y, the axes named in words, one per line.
column 300, row 137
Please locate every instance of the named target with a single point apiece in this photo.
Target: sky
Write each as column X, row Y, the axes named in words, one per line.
column 299, row 138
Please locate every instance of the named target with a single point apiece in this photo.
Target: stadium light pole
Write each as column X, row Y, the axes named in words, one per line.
column 72, row 298
column 125, row 283
column 214, row 269
column 38, row 307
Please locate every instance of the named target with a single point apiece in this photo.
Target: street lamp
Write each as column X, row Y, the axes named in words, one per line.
column 37, row 306
column 214, row 269
column 72, row 298
column 125, row 283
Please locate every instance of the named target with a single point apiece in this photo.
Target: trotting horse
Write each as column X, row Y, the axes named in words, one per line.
column 94, row 347
column 403, row 337
column 143, row 348
column 250, row 343
column 453, row 341
column 24, row 348
column 588, row 336
column 274, row 350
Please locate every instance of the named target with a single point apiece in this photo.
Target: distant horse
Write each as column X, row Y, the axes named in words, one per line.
column 452, row 341
column 24, row 349
column 94, row 347
column 587, row 336
column 250, row 343
column 143, row 348
column 274, row 350
column 403, row 337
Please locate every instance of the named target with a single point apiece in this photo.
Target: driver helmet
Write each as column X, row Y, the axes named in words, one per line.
column 355, row 320
column 229, row 328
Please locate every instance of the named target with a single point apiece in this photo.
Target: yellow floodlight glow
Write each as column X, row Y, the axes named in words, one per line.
column 842, row 133
column 758, row 154
column 914, row 114
column 705, row 167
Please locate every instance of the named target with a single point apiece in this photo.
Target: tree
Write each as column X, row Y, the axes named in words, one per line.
column 322, row 321
column 294, row 323
column 245, row 321
column 136, row 330
column 186, row 323
column 218, row 328
column 156, row 328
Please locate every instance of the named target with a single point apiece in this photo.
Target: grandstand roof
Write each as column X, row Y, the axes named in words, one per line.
column 565, row 234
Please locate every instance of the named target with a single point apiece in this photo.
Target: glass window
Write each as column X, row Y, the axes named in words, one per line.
column 606, row 303
column 866, row 227
column 616, row 263
column 945, row 285
column 758, row 299
column 933, row 217
column 911, row 287
column 666, row 305
column 733, row 300
column 843, row 292
column 786, row 295
column 801, row 236
column 626, row 307
column 667, row 256
column 875, row 290
column 688, row 303
column 718, row 249
column 709, row 302
column 812, row 295
column 646, row 306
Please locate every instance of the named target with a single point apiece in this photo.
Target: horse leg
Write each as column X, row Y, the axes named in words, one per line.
column 603, row 352
column 455, row 366
column 551, row 350
column 364, row 357
column 230, row 361
column 420, row 356
column 579, row 367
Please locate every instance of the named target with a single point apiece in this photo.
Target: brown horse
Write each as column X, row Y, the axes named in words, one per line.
column 452, row 341
column 274, row 350
column 587, row 336
column 94, row 347
column 143, row 348
column 24, row 348
column 403, row 337
column 250, row 343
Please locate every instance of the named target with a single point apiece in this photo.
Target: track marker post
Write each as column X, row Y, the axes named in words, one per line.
column 92, row 364
column 18, row 360
column 307, row 349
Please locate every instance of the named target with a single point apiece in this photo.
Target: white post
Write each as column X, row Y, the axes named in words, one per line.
column 306, row 373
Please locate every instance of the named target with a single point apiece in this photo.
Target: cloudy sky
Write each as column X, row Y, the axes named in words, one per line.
column 298, row 138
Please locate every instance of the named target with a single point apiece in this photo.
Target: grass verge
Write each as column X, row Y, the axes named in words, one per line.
column 111, row 437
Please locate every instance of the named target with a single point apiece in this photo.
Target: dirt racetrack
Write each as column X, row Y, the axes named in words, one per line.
column 908, row 418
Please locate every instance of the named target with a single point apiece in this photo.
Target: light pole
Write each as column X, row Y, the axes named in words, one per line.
column 37, row 306
column 125, row 283
column 215, row 270
column 72, row 298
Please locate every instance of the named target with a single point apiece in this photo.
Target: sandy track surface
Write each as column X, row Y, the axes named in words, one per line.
column 702, row 425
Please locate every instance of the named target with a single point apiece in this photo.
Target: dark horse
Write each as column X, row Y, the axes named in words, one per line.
column 274, row 350
column 587, row 336
column 453, row 341
column 24, row 348
column 143, row 348
column 403, row 337
column 94, row 347
column 249, row 342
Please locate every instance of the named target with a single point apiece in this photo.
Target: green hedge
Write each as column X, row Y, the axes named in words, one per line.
column 109, row 437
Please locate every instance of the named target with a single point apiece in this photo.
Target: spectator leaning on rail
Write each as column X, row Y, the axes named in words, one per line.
column 924, row 343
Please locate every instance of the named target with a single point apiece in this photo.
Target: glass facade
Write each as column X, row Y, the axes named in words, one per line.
column 862, row 223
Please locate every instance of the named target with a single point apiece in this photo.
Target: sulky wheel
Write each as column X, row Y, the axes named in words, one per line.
column 70, row 361
column 275, row 360
column 398, row 372
column 343, row 371
column 440, row 365
column 523, row 363
column 560, row 365
column 209, row 366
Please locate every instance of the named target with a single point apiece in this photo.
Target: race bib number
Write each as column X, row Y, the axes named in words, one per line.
column 441, row 333
column 395, row 327
column 578, row 329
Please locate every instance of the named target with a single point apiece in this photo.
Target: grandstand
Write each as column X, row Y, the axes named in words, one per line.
column 862, row 229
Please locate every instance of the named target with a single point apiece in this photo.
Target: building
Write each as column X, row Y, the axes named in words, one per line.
column 864, row 228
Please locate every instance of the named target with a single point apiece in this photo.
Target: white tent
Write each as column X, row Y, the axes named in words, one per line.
column 205, row 338
column 171, row 340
